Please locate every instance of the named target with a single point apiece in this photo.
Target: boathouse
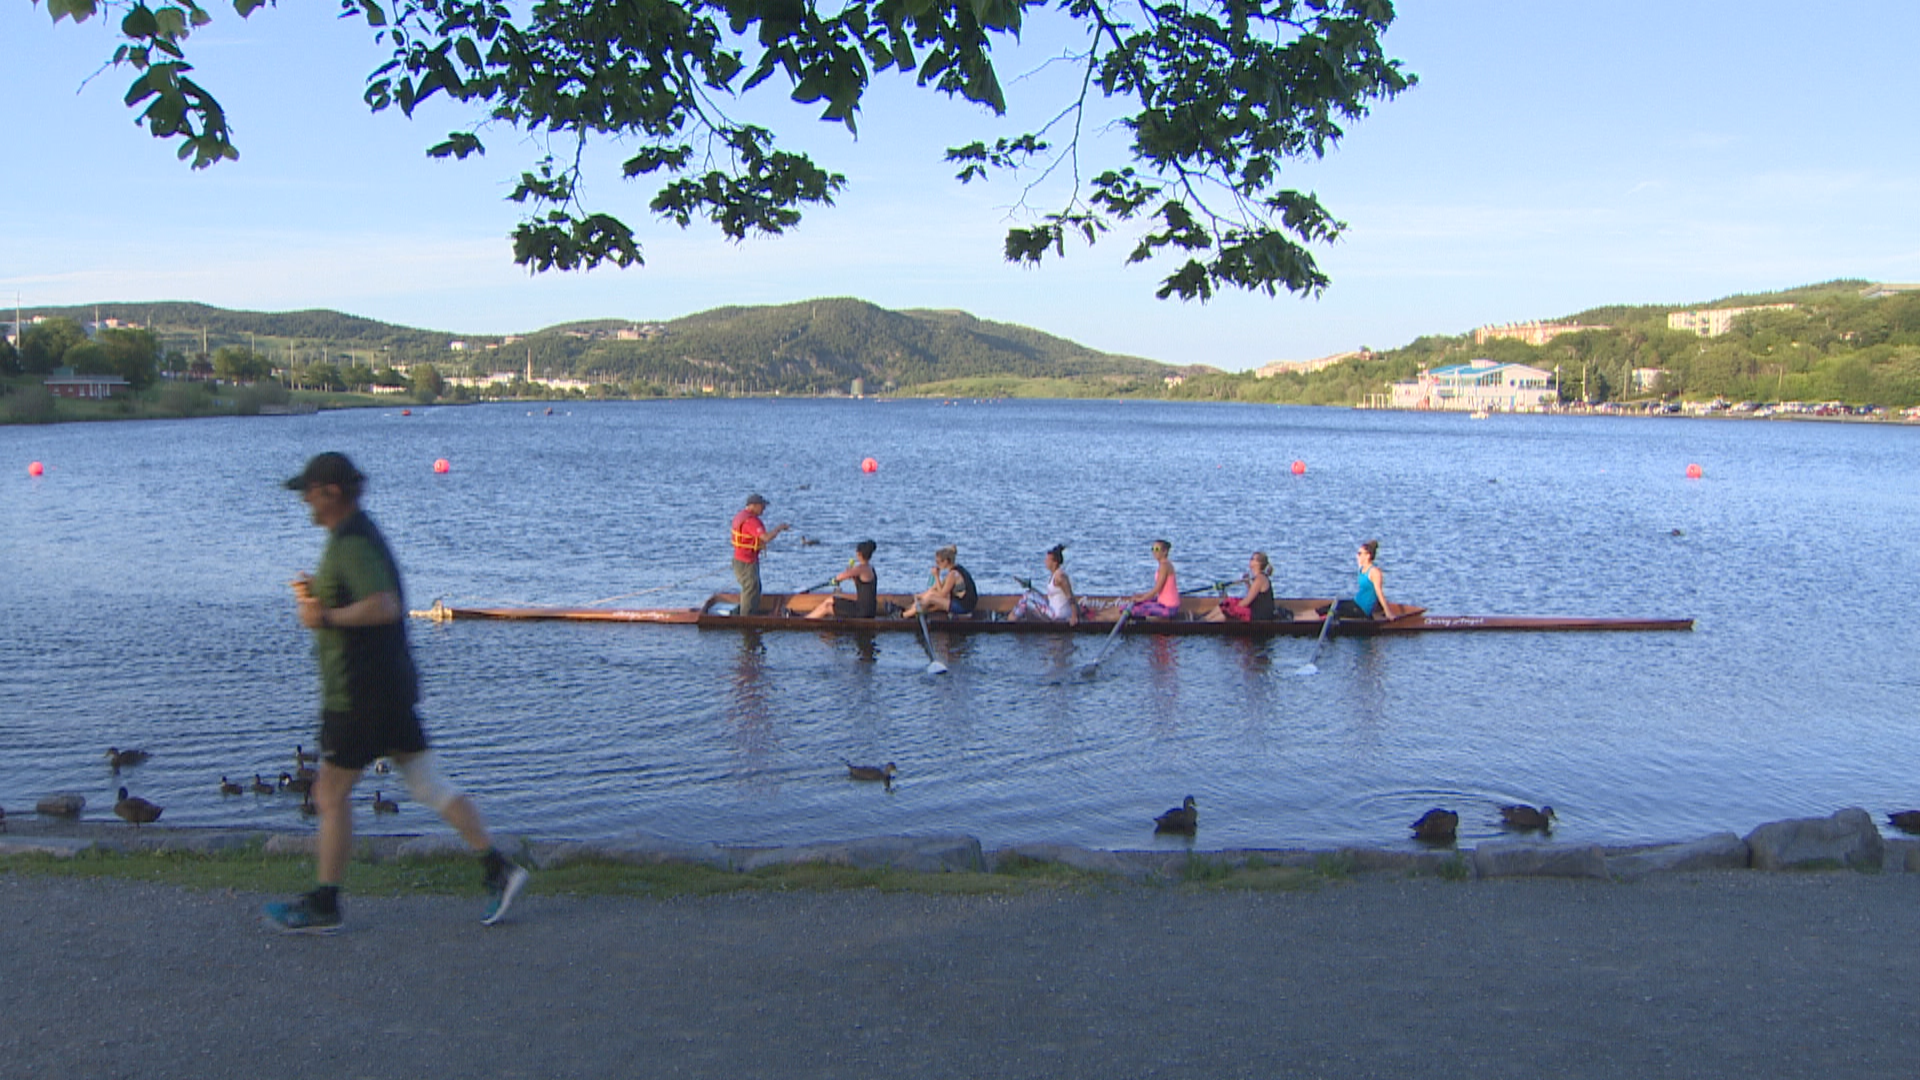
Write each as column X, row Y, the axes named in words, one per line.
column 1478, row 386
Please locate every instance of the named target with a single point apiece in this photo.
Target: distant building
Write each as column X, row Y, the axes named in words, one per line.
column 1713, row 322
column 1533, row 333
column 1880, row 289
column 1302, row 367
column 64, row 383
column 1648, row 378
column 1477, row 385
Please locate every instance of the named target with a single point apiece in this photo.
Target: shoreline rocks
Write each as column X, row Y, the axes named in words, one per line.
column 1848, row 839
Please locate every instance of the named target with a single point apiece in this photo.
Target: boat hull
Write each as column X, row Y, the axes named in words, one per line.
column 784, row 611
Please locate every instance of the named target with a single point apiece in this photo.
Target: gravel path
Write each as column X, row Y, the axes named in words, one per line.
column 1738, row 974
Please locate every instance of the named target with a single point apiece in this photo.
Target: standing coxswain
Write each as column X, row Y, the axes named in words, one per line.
column 751, row 537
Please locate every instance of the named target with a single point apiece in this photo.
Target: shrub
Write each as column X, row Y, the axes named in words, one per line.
column 31, row 405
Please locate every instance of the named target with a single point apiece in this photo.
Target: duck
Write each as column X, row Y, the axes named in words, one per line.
column 307, row 807
column 261, row 787
column 121, row 759
column 1525, row 818
column 305, row 773
column 1436, row 826
column 298, row 785
column 134, row 809
column 229, row 788
column 1184, row 818
column 301, row 757
column 1907, row 821
column 384, row 805
column 881, row 773
column 382, row 767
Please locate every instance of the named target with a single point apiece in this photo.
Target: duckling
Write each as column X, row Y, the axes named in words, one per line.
column 297, row 785
column 121, row 759
column 138, row 811
column 1526, row 818
column 1184, row 818
column 1436, row 826
column 229, row 788
column 1907, row 821
column 883, row 773
column 301, row 757
column 261, row 787
column 384, row 805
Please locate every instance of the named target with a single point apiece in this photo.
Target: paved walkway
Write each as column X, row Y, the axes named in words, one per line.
column 1737, row 974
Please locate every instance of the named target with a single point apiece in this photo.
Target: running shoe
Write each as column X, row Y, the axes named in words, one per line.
column 300, row 916
column 501, row 891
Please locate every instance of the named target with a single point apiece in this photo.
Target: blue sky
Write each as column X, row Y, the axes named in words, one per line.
column 1554, row 157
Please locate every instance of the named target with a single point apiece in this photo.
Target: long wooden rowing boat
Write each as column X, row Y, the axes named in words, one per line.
column 1302, row 618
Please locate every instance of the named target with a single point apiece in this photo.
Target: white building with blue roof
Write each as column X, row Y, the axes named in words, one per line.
column 1478, row 385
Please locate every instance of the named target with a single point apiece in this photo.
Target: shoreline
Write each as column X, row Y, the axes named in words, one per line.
column 1848, row 839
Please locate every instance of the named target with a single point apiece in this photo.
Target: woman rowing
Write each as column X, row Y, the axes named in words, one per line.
column 1258, row 603
column 1163, row 600
column 866, row 588
column 952, row 590
column 1368, row 594
column 1059, row 604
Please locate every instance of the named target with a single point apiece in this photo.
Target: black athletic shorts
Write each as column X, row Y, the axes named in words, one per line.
column 355, row 740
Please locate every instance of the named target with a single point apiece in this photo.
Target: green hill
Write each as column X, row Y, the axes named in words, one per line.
column 818, row 346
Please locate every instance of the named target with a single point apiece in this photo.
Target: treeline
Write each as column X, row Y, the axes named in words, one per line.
column 1835, row 344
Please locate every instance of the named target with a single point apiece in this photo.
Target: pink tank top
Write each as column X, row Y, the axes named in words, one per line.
column 1170, row 592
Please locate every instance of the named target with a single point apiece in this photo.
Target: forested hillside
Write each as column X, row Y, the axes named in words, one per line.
column 1835, row 343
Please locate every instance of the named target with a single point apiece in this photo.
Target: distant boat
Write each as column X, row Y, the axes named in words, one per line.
column 1478, row 414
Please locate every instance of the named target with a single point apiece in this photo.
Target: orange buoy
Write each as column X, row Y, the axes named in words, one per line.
column 1299, row 467
column 1695, row 472
column 869, row 465
column 406, row 412
column 35, row 468
column 441, row 465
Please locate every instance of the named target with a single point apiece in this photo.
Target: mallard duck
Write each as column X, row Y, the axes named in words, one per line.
column 121, row 759
column 301, row 757
column 1524, row 817
column 229, row 788
column 261, row 787
column 1907, row 821
column 298, row 785
column 1436, row 826
column 1181, row 819
column 383, row 805
column 132, row 808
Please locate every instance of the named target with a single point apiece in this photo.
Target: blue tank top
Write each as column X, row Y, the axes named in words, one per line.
column 1363, row 594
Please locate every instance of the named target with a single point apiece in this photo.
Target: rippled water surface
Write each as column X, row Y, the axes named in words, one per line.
column 144, row 604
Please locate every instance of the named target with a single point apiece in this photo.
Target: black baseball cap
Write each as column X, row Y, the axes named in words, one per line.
column 756, row 500
column 331, row 467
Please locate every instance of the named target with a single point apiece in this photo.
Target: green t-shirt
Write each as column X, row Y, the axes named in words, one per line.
column 352, row 568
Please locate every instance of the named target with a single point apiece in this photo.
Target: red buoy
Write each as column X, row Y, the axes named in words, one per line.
column 1299, row 467
column 441, row 465
column 869, row 465
column 35, row 469
column 406, row 412
column 1695, row 472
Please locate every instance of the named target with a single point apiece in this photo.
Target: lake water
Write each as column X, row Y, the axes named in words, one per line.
column 144, row 604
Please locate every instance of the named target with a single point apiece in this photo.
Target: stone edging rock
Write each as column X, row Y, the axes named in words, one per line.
column 1847, row 839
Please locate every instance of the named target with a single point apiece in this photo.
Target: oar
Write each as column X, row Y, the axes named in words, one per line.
column 934, row 667
column 1027, row 585
column 1088, row 671
column 822, row 585
column 1333, row 610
